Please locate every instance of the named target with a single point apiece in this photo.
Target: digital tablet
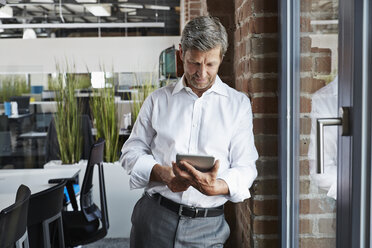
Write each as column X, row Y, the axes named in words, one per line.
column 200, row 162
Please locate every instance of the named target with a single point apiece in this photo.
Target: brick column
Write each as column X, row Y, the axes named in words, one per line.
column 256, row 67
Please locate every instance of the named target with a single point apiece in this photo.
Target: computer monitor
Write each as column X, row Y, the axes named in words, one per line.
column 23, row 103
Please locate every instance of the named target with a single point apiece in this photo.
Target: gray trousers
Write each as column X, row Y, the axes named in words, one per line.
column 154, row 226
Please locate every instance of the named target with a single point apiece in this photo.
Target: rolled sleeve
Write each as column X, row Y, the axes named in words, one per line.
column 141, row 172
column 239, row 180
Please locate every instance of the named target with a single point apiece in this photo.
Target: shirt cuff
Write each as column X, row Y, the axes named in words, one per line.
column 141, row 172
column 239, row 185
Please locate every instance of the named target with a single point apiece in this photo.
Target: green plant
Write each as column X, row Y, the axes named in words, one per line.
column 14, row 85
column 68, row 119
column 145, row 88
column 106, row 121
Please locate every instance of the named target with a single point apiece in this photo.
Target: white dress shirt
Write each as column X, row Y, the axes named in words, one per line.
column 173, row 119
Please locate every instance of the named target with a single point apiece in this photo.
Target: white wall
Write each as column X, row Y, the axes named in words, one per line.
column 122, row 54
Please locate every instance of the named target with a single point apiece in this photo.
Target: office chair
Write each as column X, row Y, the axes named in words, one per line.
column 4, row 123
column 89, row 223
column 13, row 221
column 52, row 146
column 44, row 214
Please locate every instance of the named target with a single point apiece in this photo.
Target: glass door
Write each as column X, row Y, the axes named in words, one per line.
column 319, row 32
column 325, row 123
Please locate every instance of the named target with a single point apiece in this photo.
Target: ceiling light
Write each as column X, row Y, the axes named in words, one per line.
column 86, row 1
column 6, row 12
column 127, row 10
column 29, row 33
column 131, row 5
column 86, row 25
column 99, row 10
column 157, row 7
column 42, row 1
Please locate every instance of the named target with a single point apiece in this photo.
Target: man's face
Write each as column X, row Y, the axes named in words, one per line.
column 200, row 68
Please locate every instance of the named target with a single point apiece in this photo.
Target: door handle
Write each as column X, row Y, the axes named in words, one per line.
column 320, row 123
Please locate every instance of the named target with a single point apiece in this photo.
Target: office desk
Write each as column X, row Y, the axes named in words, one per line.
column 35, row 179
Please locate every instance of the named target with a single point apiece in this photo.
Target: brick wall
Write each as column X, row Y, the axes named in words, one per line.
column 256, row 72
column 194, row 8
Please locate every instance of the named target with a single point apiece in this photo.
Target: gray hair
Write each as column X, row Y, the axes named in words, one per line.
column 204, row 33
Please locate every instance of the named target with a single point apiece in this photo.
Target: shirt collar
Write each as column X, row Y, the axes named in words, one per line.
column 218, row 87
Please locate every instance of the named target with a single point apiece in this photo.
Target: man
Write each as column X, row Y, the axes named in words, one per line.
column 183, row 207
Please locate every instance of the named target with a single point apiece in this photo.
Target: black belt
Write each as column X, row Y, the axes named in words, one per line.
column 187, row 211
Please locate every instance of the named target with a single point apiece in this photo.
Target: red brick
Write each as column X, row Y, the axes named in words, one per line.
column 264, row 45
column 266, row 187
column 261, row 85
column 306, row 5
column 264, row 65
column 304, row 168
column 267, row 168
column 265, row 105
column 327, row 225
column 265, row 207
column 304, row 187
column 328, row 51
column 266, row 242
column 306, row 63
column 305, row 125
column 260, row 25
column 317, row 242
column 265, row 125
column 304, row 146
column 317, row 206
column 305, row 226
column 305, row 44
column 265, row 6
column 265, row 226
column 305, row 104
column 311, row 85
column 323, row 65
column 305, row 25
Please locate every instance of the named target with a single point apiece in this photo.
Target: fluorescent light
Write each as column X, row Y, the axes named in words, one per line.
column 99, row 10
column 86, row 25
column 6, row 12
column 42, row 1
column 97, row 79
column 131, row 5
column 86, row 1
column 157, row 7
column 127, row 10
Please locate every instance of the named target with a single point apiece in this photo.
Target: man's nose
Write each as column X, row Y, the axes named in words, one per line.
column 202, row 71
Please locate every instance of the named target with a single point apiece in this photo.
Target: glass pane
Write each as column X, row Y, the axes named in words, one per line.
column 319, row 55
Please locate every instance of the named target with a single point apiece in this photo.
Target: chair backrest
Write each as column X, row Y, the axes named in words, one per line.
column 44, row 206
column 23, row 103
column 13, row 219
column 4, row 123
column 52, row 146
column 90, row 210
column 5, row 143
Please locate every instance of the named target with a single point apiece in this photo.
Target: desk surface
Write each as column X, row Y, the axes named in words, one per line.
column 35, row 179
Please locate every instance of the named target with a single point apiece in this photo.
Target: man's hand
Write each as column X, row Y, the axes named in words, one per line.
column 206, row 182
column 166, row 175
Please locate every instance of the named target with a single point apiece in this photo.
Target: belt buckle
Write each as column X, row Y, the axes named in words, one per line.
column 196, row 212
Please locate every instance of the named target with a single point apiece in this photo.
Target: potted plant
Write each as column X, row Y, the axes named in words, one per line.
column 145, row 88
column 68, row 120
column 106, row 121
